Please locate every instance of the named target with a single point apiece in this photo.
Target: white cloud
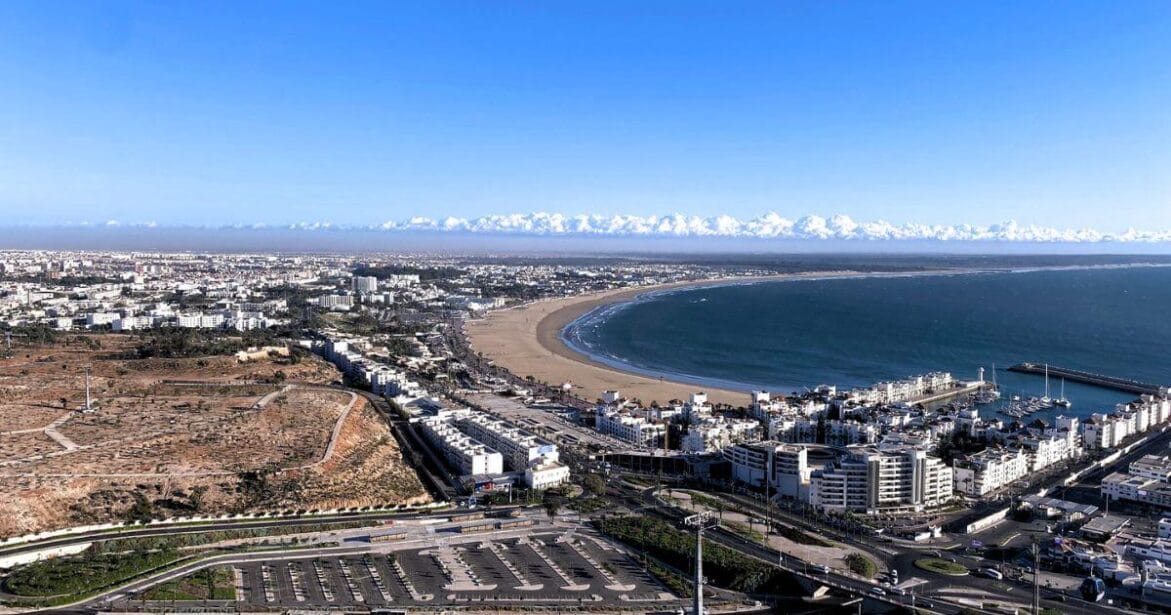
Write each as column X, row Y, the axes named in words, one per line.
column 767, row 226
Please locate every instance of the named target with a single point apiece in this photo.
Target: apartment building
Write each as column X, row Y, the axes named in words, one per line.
column 335, row 303
column 1109, row 431
column 628, row 427
column 462, row 452
column 1148, row 481
column 791, row 471
column 1045, row 451
column 875, row 479
column 521, row 449
column 903, row 390
column 718, row 433
column 751, row 462
column 200, row 321
column 364, row 284
column 989, row 470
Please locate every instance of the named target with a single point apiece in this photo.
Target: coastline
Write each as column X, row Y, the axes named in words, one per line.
column 526, row 339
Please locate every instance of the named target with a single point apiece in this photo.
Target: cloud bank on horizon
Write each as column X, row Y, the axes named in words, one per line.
column 768, row 226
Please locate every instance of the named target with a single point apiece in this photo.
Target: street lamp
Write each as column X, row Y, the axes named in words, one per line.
column 700, row 521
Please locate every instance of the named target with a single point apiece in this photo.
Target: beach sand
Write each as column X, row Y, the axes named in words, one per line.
column 526, row 340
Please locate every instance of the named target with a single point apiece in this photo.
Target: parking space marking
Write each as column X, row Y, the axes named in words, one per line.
column 376, row 578
column 525, row 583
column 348, row 577
column 322, row 583
column 537, row 546
column 297, row 580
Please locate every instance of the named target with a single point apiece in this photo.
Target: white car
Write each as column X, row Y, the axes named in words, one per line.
column 992, row 574
column 877, row 591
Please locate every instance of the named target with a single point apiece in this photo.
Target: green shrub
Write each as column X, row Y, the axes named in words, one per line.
column 861, row 565
column 723, row 566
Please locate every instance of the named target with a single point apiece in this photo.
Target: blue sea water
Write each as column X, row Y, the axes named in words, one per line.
column 785, row 335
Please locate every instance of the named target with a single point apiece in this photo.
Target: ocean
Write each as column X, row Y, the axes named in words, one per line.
column 782, row 336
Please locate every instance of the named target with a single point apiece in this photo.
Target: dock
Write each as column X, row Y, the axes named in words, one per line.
column 1076, row 375
column 943, row 395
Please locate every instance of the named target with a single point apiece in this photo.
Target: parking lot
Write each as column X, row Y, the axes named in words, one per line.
column 542, row 569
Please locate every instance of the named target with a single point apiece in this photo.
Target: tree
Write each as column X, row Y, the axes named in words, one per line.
column 142, row 510
column 196, row 497
column 594, row 484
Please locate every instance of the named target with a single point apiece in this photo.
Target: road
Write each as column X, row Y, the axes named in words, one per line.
column 227, row 524
column 938, row 591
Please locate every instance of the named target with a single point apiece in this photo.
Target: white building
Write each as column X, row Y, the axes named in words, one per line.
column 200, row 321
column 1109, row 431
column 750, row 462
column 784, row 467
column 989, row 470
column 401, row 280
column 97, row 319
column 523, row 452
column 462, row 452
column 336, row 303
column 715, row 434
column 628, row 427
column 546, row 476
column 365, row 284
column 880, row 480
column 131, row 323
column 1046, row 451
column 1148, row 481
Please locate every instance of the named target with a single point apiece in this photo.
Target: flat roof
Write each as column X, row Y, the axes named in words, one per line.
column 1106, row 524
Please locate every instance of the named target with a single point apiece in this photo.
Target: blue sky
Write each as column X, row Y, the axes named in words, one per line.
column 1056, row 114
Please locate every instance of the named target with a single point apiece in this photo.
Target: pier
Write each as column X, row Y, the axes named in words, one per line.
column 942, row 395
column 1077, row 375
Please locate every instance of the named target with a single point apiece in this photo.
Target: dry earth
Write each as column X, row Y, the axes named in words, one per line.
column 187, row 435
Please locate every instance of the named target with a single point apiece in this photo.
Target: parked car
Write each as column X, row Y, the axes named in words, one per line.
column 877, row 591
column 992, row 573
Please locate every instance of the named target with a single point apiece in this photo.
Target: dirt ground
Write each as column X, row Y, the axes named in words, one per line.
column 181, row 437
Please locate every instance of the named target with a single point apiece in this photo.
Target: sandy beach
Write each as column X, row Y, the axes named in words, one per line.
column 526, row 340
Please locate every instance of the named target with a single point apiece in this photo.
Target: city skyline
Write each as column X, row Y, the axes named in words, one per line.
column 911, row 114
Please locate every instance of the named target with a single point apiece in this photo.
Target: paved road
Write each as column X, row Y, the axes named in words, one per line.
column 227, row 524
column 944, row 589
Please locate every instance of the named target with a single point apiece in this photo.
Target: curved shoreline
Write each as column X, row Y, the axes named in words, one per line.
column 527, row 340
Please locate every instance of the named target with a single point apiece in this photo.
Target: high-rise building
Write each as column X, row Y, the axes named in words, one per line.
column 882, row 480
column 365, row 284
